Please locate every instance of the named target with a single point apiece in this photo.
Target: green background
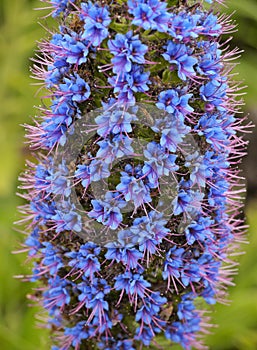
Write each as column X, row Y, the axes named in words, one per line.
column 19, row 30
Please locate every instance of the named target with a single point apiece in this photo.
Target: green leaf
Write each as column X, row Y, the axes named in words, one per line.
column 119, row 27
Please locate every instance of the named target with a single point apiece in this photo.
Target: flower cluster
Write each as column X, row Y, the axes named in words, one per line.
column 164, row 150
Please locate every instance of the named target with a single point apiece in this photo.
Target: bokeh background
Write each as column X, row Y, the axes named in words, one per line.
column 19, row 31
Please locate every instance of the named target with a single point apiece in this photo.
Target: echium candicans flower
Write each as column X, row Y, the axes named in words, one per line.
column 169, row 204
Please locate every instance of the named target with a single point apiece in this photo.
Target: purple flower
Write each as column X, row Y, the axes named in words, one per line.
column 146, row 81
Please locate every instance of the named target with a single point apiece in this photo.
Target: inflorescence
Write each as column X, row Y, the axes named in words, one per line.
column 110, row 56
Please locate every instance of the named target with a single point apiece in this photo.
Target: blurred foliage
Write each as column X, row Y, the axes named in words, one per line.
column 19, row 31
column 246, row 39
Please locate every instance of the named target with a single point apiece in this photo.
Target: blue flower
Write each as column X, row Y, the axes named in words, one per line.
column 66, row 218
column 186, row 308
column 126, row 50
column 210, row 63
column 70, row 48
column 43, row 210
column 60, row 6
column 147, row 232
column 174, row 235
column 146, row 334
column 83, row 173
column 122, row 282
column 41, row 177
column 118, row 147
column 75, row 88
column 143, row 15
column 149, row 14
column 130, row 257
column 76, row 334
column 179, row 55
column 95, row 171
column 159, row 163
column 184, row 332
column 138, row 286
column 172, row 265
column 93, row 297
column 184, row 26
column 175, row 102
column 172, row 131
column 199, row 230
column 57, row 295
column 136, row 80
column 210, row 25
column 148, row 312
column 125, row 85
column 126, row 344
column 51, row 258
column 98, row 170
column 59, row 182
column 214, row 92
column 188, row 200
column 199, row 168
column 114, row 121
column 85, row 261
column 33, row 242
column 190, row 272
column 107, row 211
column 133, row 189
column 212, row 128
column 97, row 20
